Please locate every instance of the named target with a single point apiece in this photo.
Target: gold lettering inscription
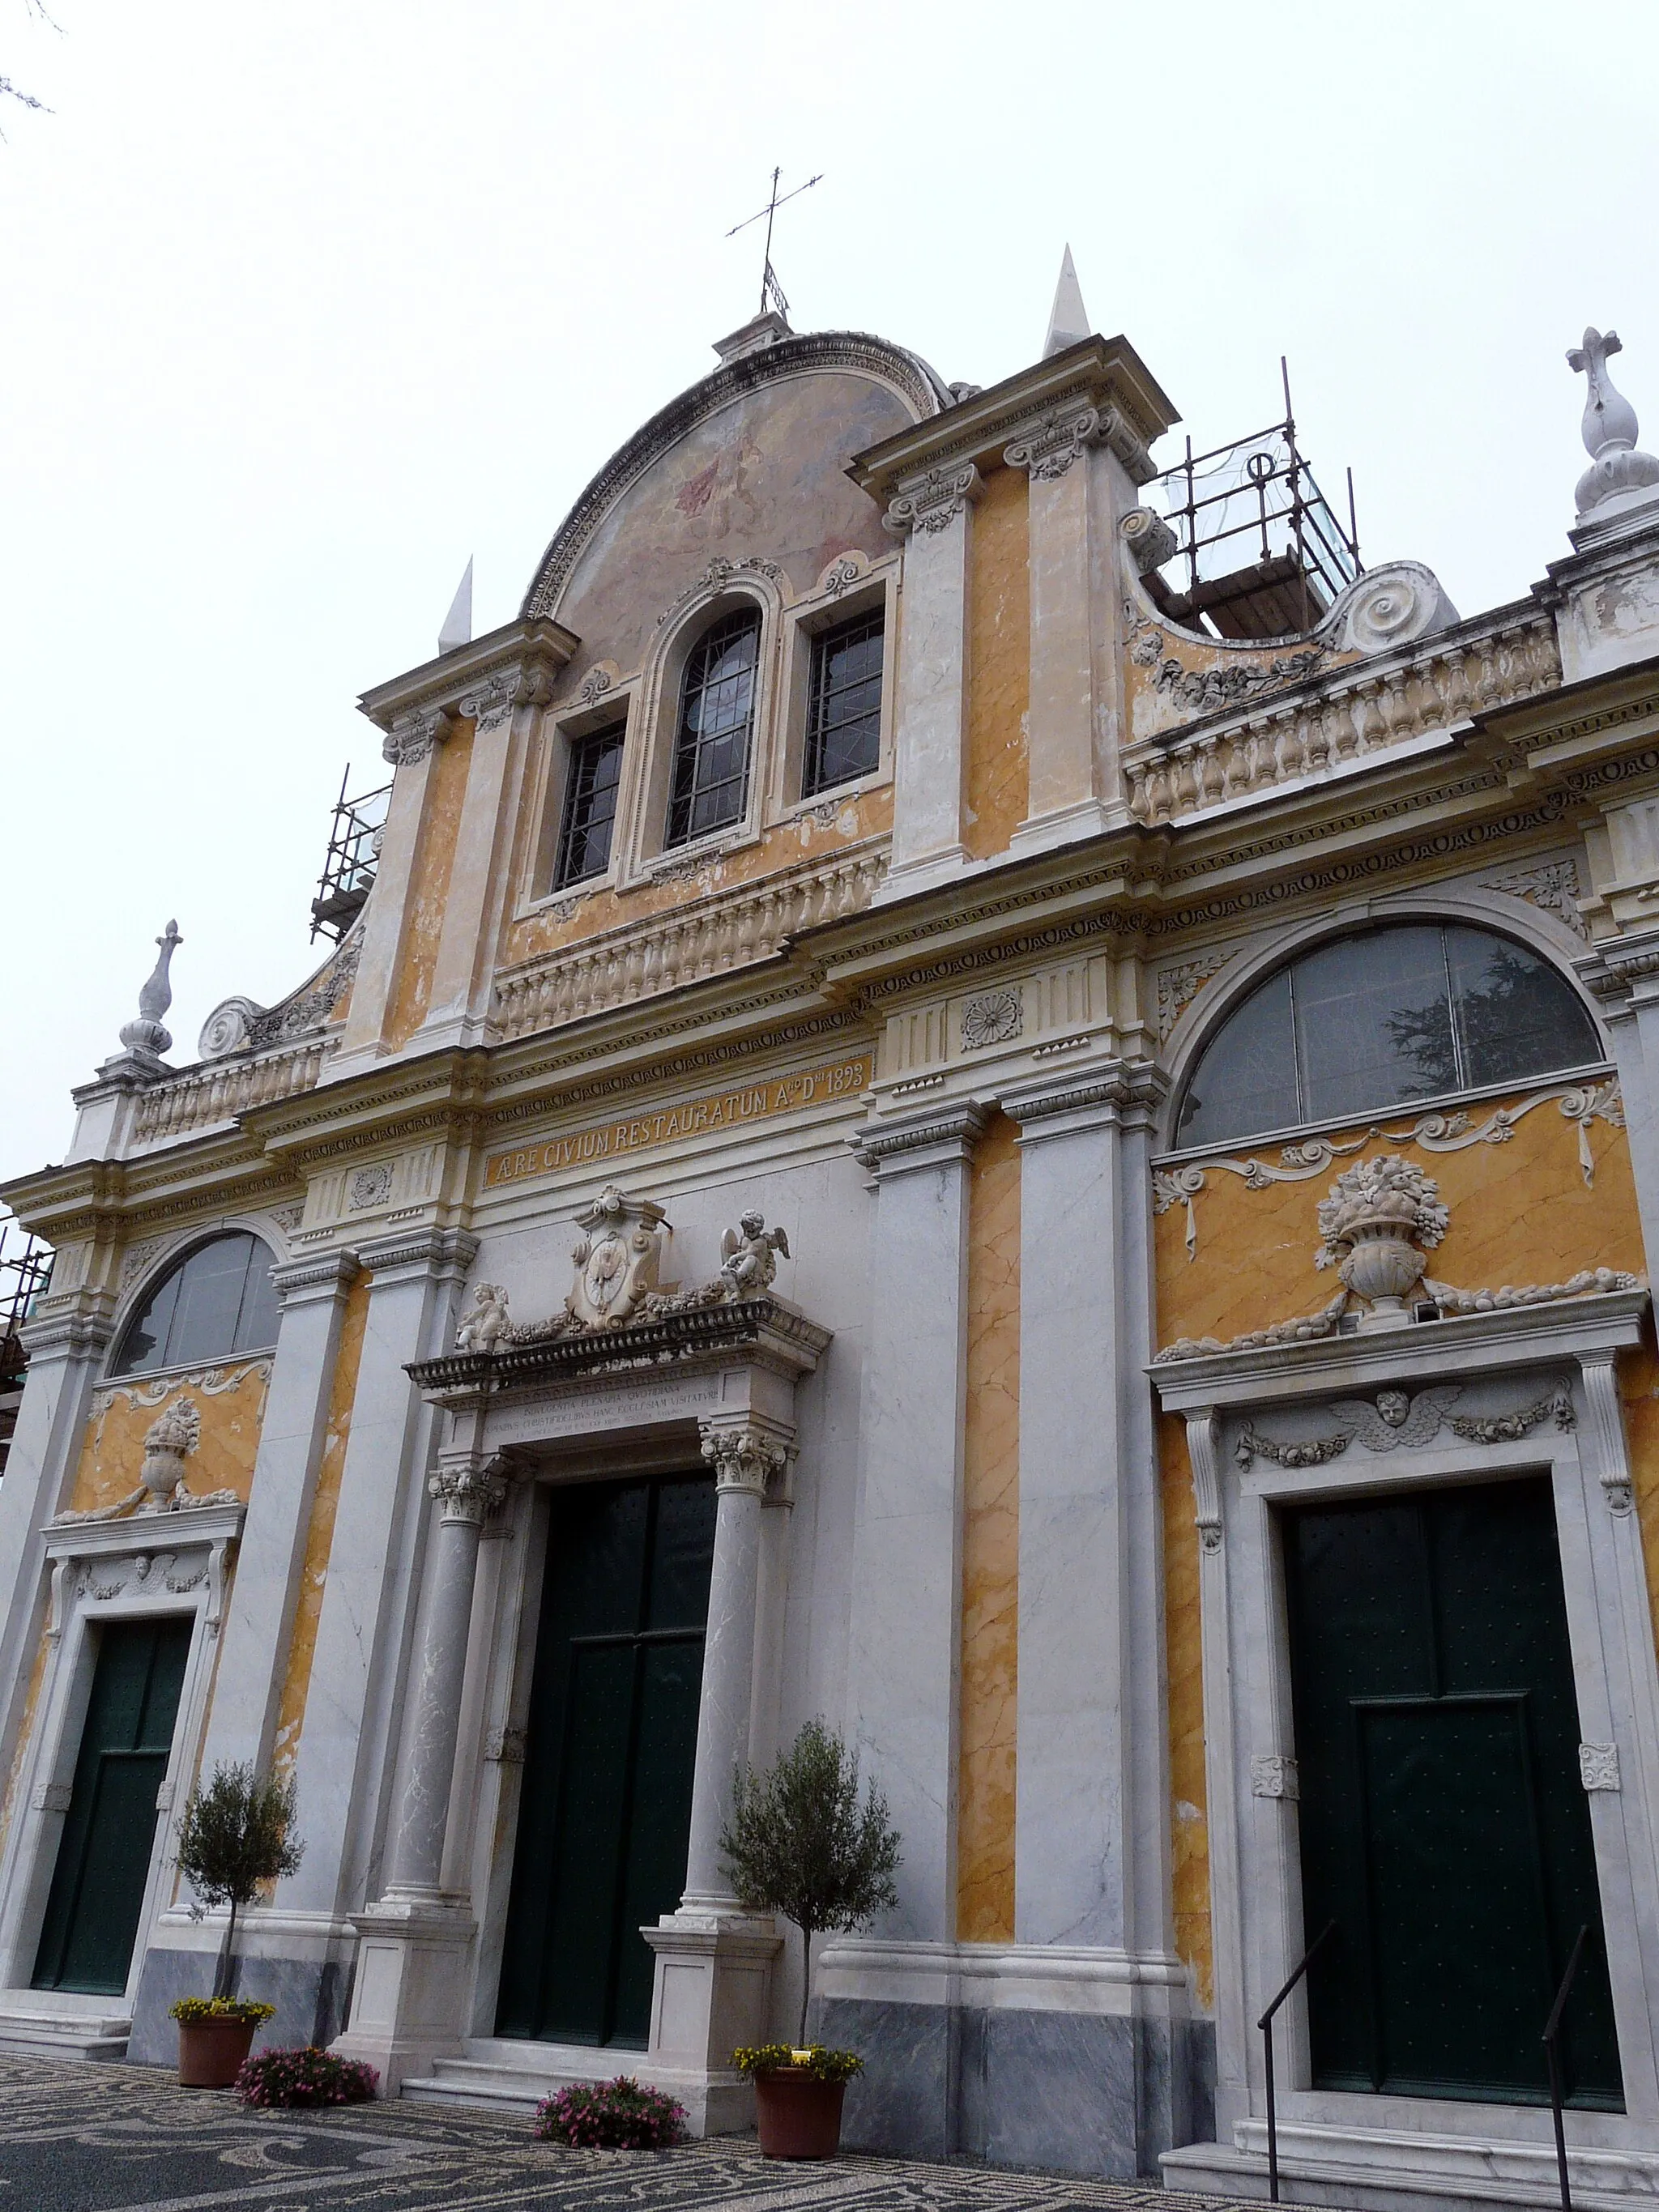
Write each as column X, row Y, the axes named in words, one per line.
column 721, row 1110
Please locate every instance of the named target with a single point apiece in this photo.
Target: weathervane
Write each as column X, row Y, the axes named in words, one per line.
column 771, row 290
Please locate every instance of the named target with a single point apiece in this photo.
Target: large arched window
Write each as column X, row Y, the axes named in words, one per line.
column 710, row 783
column 1410, row 1011
column 217, row 1301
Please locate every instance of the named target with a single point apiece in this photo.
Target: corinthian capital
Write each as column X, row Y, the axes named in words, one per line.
column 469, row 1491
column 745, row 1458
column 1048, row 446
column 412, row 737
column 935, row 501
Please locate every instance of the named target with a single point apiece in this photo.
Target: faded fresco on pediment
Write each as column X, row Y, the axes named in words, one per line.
column 764, row 478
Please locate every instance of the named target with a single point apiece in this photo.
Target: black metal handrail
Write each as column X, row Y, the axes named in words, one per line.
column 1551, row 2033
column 1265, row 2024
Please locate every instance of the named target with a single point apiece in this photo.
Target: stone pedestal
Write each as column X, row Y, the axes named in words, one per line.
column 711, row 1994
column 413, row 1961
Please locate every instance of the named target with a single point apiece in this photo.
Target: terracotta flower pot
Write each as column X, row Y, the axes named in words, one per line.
column 211, row 2052
column 799, row 2115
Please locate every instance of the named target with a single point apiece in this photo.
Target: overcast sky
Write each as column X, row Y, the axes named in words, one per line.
column 304, row 304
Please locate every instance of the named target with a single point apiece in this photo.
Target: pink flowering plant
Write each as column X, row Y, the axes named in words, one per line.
column 308, row 2076
column 619, row 2115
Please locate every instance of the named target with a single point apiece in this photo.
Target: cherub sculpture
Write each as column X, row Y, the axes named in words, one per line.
column 748, row 1253
column 488, row 1323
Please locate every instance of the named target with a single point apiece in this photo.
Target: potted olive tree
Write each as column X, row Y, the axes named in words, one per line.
column 234, row 1835
column 798, row 1842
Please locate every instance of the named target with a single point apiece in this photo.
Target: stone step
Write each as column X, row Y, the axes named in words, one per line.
column 61, row 2032
column 1520, row 2176
column 515, row 2076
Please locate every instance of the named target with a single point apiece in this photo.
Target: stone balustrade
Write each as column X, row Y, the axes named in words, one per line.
column 1362, row 709
column 201, row 1096
column 728, row 930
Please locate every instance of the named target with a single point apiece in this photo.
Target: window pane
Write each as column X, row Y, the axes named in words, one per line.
column 144, row 1346
column 1373, row 1022
column 711, row 750
column 1517, row 1018
column 1247, row 1079
column 843, row 730
column 256, row 1325
column 210, row 1287
column 590, row 806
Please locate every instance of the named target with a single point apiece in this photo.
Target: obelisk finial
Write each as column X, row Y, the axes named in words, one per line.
column 1609, row 429
column 147, row 1034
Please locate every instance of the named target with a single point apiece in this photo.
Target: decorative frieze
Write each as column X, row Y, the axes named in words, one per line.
column 728, row 930
column 1363, row 710
column 1398, row 1421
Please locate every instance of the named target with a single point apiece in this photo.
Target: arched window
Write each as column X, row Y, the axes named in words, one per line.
column 1410, row 1011
column 710, row 784
column 217, row 1300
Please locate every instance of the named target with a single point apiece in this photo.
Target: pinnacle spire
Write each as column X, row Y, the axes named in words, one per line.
column 1068, row 319
column 458, row 622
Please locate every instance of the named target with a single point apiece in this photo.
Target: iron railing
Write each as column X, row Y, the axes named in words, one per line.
column 1265, row 2024
column 1551, row 2034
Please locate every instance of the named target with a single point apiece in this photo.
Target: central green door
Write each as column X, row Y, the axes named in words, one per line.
column 1442, row 1819
column 605, row 1815
column 109, row 1832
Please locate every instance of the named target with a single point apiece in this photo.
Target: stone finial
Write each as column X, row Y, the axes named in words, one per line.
column 147, row 1033
column 1068, row 319
column 458, row 622
column 1609, row 429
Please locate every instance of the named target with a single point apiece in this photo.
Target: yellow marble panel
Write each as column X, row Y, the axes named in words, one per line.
column 990, row 1546
column 999, row 663
column 319, row 1534
column 231, row 1402
column 1184, row 1664
column 434, row 861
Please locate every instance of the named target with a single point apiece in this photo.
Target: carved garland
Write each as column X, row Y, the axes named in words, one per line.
column 1580, row 1103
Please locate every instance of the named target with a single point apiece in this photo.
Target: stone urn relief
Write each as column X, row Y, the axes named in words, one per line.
column 1380, row 1220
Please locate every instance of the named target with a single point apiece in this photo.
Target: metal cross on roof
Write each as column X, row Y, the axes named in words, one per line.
column 771, row 290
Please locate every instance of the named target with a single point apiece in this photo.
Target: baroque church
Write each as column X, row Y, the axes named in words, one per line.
column 985, row 1090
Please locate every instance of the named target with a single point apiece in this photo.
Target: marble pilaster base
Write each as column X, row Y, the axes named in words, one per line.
column 711, row 1994
column 413, row 1975
column 1094, row 2094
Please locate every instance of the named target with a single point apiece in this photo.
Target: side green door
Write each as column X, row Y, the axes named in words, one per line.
column 605, row 1814
column 1442, row 1819
column 109, row 1832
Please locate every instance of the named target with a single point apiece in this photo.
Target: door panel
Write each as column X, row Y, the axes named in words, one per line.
column 108, row 1835
column 605, row 1811
column 1443, row 1821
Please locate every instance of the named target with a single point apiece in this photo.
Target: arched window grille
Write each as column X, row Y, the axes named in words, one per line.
column 1407, row 1012
column 710, row 785
column 218, row 1300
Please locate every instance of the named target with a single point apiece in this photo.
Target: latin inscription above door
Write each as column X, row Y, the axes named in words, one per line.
column 605, row 1816
column 1442, row 1819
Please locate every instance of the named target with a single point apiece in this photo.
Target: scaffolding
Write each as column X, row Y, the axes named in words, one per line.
column 353, row 853
column 25, row 1269
column 1259, row 553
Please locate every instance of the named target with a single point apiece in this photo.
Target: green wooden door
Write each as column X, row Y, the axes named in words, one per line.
column 1443, row 1820
column 604, row 1818
column 109, row 1832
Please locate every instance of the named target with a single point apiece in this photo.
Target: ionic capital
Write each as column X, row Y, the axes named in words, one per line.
column 412, row 737
column 496, row 696
column 1048, row 446
column 935, row 502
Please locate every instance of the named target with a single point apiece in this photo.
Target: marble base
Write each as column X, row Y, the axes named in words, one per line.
column 1080, row 2093
column 309, row 1995
column 714, row 1976
column 412, row 1977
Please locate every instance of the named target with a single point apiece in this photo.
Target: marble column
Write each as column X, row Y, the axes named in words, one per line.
column 745, row 1459
column 933, row 516
column 713, row 1961
column 412, row 1966
column 1623, row 973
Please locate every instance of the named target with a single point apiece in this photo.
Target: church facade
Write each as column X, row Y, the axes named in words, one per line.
column 943, row 1115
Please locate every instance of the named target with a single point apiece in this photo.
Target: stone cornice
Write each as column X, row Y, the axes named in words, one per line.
column 777, row 1331
column 1104, row 374
column 456, row 684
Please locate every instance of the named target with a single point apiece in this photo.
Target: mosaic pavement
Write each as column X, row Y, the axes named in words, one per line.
column 89, row 2138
